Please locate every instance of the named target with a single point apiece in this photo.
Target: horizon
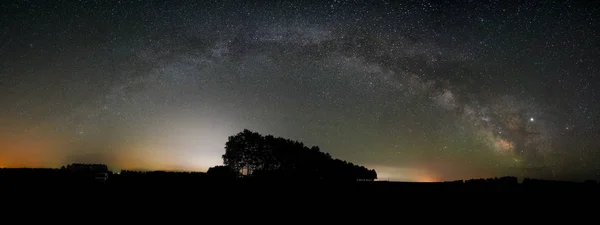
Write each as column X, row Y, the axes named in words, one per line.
column 379, row 179
column 383, row 179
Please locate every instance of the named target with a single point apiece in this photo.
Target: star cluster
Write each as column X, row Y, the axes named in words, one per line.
column 419, row 91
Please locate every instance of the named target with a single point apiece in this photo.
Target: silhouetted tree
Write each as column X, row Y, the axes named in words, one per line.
column 243, row 151
column 252, row 153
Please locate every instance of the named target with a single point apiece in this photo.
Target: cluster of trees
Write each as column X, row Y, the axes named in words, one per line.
column 267, row 156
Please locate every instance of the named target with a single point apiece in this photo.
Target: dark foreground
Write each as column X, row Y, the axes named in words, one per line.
column 165, row 197
column 187, row 186
column 190, row 184
column 184, row 197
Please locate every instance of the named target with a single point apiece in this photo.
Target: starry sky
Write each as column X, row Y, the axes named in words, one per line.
column 419, row 91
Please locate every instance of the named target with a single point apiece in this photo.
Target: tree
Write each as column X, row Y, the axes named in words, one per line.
column 243, row 151
column 275, row 156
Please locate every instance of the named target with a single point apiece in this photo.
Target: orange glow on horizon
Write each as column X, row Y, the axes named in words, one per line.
column 25, row 152
column 428, row 176
column 427, row 179
column 150, row 158
column 44, row 153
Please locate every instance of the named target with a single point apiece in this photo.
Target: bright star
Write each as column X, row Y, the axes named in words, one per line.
column 531, row 119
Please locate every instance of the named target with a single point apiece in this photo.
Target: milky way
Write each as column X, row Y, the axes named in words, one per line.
column 418, row 91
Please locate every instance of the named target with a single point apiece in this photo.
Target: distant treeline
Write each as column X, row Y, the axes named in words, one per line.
column 74, row 175
column 508, row 180
column 271, row 157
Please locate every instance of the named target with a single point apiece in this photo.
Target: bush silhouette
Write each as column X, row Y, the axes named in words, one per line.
column 222, row 172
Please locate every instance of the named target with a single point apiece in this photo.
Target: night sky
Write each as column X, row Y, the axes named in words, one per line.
column 422, row 91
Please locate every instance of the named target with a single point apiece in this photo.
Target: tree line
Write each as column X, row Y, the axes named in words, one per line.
column 260, row 156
